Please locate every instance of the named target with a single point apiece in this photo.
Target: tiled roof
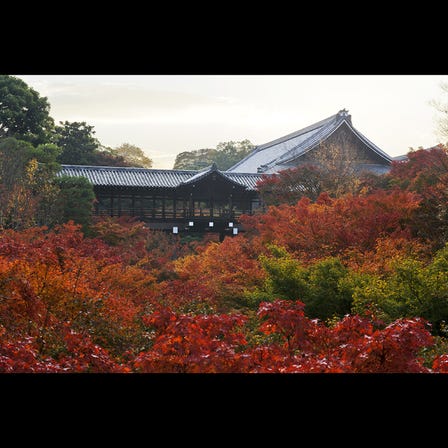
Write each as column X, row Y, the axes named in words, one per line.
column 271, row 156
column 264, row 154
column 127, row 177
column 248, row 180
column 142, row 177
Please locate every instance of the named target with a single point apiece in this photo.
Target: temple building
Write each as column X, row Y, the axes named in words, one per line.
column 174, row 200
column 309, row 145
column 212, row 200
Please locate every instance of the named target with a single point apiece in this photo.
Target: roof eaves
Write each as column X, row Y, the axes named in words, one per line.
column 247, row 180
column 128, row 176
column 128, row 168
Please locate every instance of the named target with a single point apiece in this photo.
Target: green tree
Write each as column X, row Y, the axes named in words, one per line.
column 132, row 155
column 323, row 286
column 16, row 176
column 27, row 184
column 225, row 155
column 24, row 114
column 229, row 153
column 412, row 289
column 194, row 160
column 75, row 200
column 105, row 156
column 77, row 143
column 14, row 156
column 44, row 186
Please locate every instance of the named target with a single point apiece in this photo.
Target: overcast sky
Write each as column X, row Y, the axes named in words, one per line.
column 168, row 114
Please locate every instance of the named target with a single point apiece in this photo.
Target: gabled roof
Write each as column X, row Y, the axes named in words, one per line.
column 111, row 176
column 274, row 155
column 201, row 174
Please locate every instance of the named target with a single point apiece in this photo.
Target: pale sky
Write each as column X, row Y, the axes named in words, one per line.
column 168, row 114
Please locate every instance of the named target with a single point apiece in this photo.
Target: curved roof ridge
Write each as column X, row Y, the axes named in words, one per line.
column 324, row 133
column 309, row 128
column 285, row 138
column 309, row 143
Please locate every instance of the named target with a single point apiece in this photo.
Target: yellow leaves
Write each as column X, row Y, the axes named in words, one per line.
column 30, row 171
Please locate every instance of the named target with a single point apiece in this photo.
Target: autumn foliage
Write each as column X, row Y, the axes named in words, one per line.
column 293, row 343
column 349, row 284
column 330, row 226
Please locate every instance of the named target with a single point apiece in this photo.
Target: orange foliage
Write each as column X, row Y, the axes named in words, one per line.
column 387, row 251
column 331, row 226
column 134, row 300
column 216, row 343
column 226, row 269
column 47, row 278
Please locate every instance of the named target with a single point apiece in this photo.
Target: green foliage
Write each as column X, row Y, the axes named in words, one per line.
column 77, row 143
column 229, row 153
column 47, row 153
column 328, row 294
column 193, row 160
column 324, row 286
column 411, row 289
column 225, row 155
column 24, row 114
column 28, row 192
column 76, row 200
column 287, row 278
column 80, row 147
column 132, row 155
column 14, row 156
column 376, row 294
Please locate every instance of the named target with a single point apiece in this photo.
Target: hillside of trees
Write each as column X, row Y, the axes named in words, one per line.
column 349, row 277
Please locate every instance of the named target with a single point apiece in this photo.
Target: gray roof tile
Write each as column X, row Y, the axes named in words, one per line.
column 142, row 177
